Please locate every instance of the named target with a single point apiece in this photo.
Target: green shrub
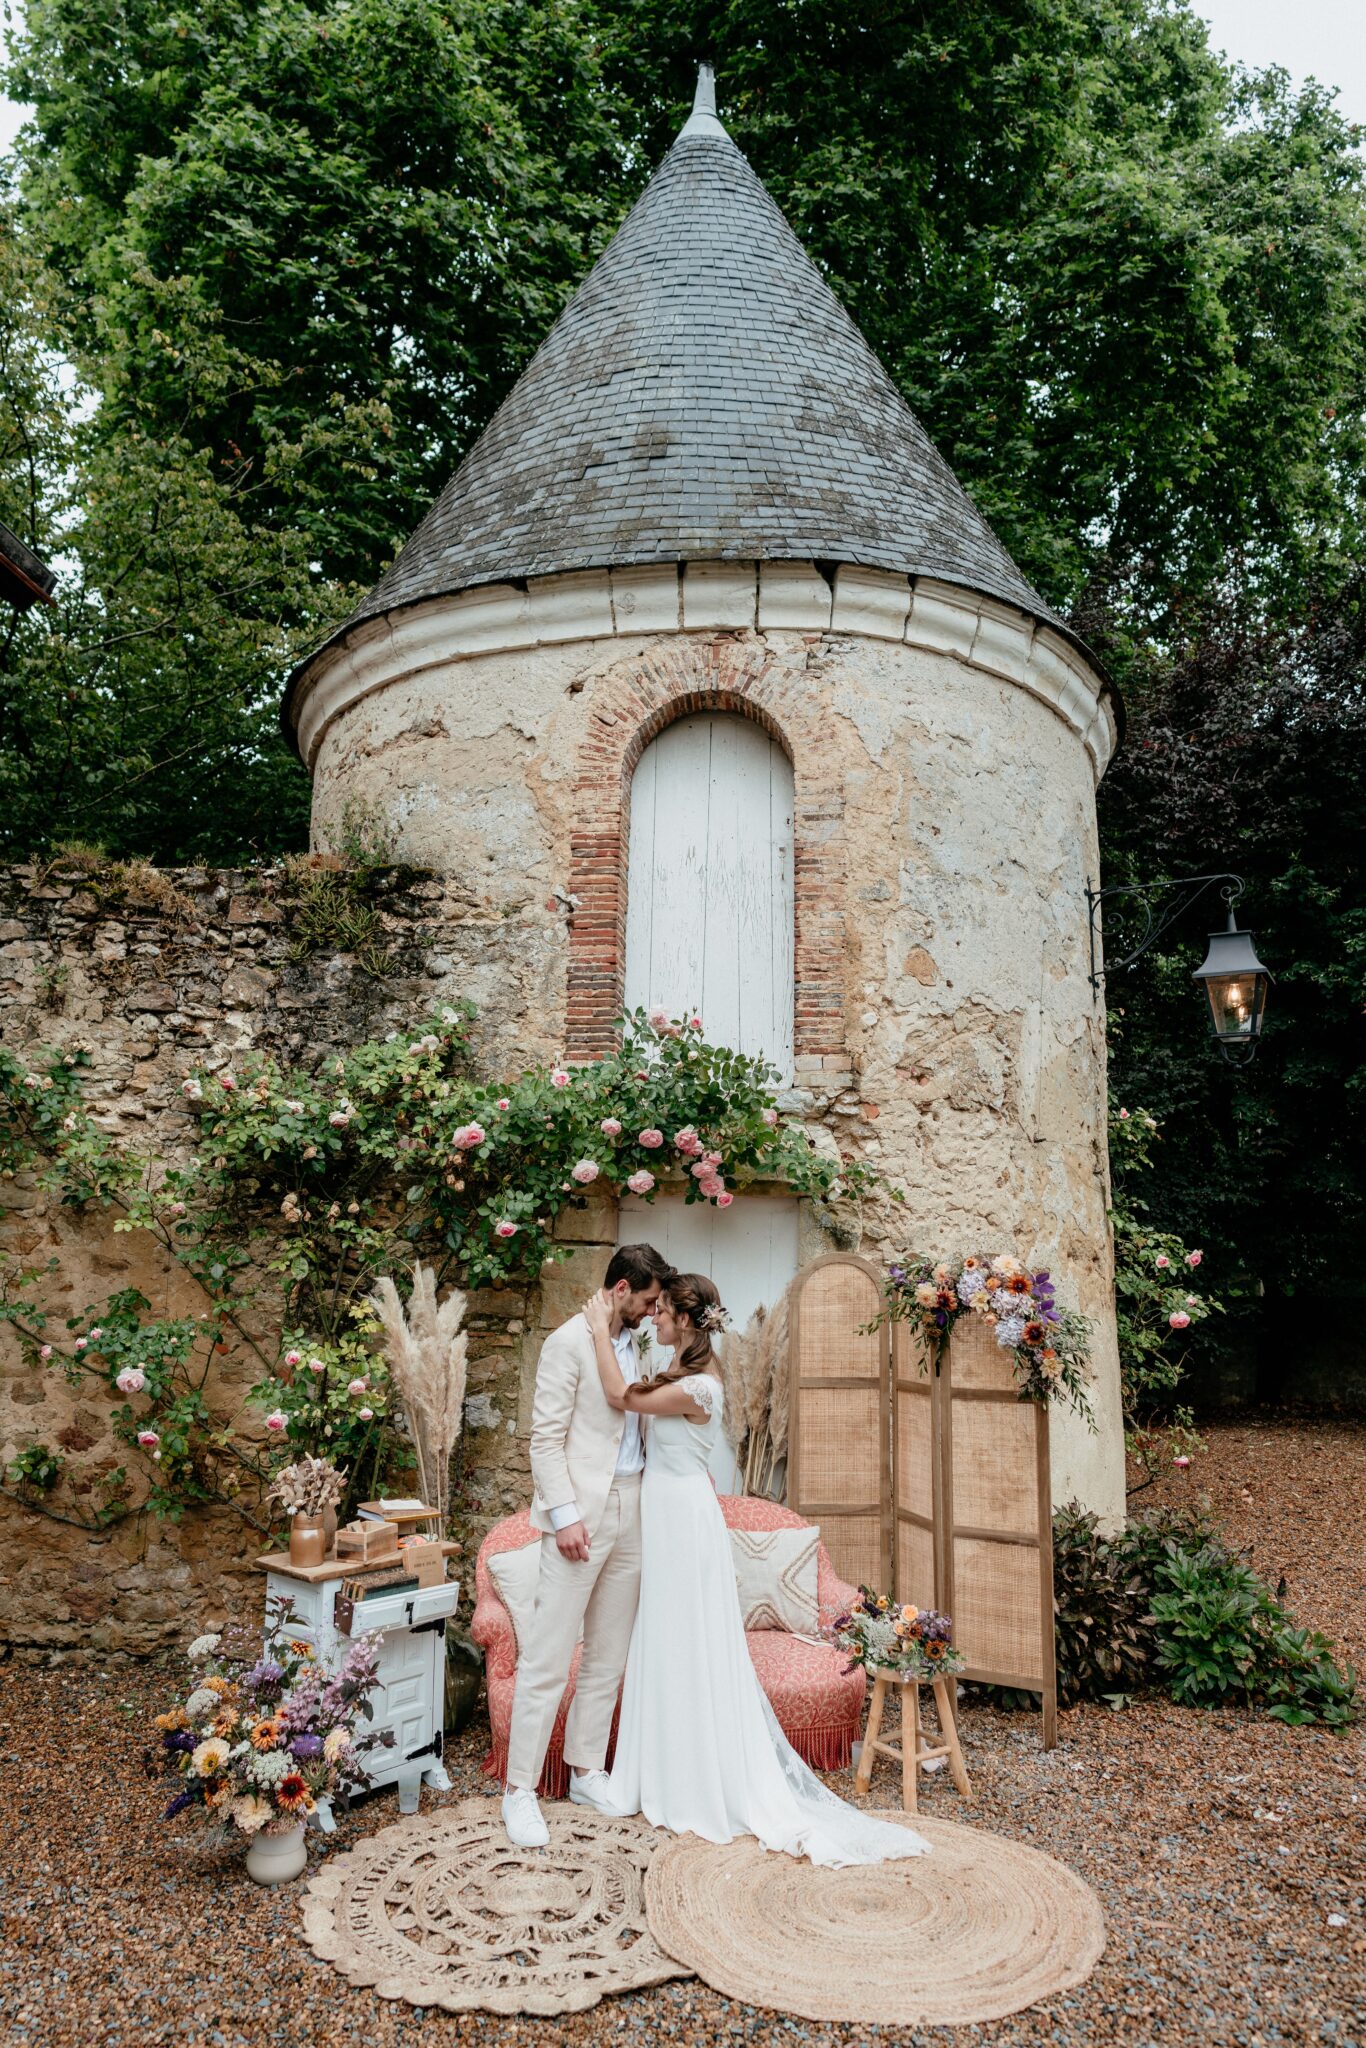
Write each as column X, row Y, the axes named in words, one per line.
column 1167, row 1605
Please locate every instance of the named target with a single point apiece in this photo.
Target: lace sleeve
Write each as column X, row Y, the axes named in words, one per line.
column 706, row 1392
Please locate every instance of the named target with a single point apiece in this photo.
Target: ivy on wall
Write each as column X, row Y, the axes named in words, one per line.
column 307, row 1186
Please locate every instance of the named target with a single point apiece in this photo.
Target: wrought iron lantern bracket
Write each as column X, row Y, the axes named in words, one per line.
column 1184, row 891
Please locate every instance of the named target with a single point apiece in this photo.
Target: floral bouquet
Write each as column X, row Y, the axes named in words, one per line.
column 1051, row 1344
column 309, row 1487
column 882, row 1636
column 260, row 1739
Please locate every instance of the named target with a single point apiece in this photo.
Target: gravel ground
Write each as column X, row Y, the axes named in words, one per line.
column 1219, row 1847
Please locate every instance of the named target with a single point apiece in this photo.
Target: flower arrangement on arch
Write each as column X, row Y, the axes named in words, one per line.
column 880, row 1634
column 260, row 1739
column 1051, row 1345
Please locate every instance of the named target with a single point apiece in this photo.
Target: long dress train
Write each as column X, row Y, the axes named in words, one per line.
column 699, row 1748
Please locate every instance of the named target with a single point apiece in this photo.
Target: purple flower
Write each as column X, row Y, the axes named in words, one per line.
column 898, row 1273
column 178, row 1804
column 179, row 1739
column 305, row 1746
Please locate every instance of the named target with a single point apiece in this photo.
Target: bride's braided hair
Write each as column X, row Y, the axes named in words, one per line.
column 694, row 1295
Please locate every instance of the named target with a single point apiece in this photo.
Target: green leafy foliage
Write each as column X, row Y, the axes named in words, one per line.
column 36, row 1466
column 1155, row 1304
column 1167, row 1605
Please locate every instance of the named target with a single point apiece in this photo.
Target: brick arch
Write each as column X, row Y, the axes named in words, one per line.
column 632, row 704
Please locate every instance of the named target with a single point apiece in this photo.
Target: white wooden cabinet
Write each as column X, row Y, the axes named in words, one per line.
column 411, row 1696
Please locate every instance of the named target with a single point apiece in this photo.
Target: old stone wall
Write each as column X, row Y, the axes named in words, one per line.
column 153, row 989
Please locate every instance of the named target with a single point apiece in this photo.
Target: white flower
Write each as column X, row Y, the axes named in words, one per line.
column 292, row 1108
column 270, row 1766
column 1009, row 1331
column 339, row 1119
column 131, row 1380
column 202, row 1702
column 202, row 1646
column 251, row 1813
column 585, row 1172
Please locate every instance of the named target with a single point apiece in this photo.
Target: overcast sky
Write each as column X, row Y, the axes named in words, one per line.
column 1323, row 39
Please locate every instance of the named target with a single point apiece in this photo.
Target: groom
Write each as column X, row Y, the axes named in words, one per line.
column 586, row 1462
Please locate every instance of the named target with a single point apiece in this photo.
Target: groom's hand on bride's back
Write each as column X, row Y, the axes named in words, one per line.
column 573, row 1543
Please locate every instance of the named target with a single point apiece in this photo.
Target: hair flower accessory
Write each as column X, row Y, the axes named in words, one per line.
column 714, row 1319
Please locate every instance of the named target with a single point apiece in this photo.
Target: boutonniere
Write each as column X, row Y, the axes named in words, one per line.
column 644, row 1340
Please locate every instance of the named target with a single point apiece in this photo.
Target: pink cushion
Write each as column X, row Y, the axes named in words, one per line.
column 817, row 1706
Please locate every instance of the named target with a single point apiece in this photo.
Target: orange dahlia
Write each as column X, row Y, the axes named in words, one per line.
column 265, row 1735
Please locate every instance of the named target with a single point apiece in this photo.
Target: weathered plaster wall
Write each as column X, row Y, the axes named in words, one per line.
column 945, row 802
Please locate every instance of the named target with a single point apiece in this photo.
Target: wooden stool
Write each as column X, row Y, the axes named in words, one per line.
column 912, row 1748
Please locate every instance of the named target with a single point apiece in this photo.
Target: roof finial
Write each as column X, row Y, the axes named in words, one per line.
column 702, row 120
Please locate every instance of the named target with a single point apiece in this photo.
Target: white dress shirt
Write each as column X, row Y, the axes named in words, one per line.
column 631, row 1449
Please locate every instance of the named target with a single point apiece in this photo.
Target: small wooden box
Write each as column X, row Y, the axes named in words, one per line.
column 426, row 1558
column 362, row 1542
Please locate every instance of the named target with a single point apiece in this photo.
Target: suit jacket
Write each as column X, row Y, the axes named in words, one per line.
column 575, row 1435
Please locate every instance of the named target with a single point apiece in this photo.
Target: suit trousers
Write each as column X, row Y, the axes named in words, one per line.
column 600, row 1595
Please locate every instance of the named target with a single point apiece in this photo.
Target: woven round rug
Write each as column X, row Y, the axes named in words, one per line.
column 441, row 1910
column 981, row 1928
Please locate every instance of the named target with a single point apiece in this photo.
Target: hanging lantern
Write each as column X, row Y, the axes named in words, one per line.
column 1236, row 984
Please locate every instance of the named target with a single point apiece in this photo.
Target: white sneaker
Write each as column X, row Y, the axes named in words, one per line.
column 523, row 1820
column 590, row 1788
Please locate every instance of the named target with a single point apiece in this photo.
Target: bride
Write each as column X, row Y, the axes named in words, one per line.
column 699, row 1749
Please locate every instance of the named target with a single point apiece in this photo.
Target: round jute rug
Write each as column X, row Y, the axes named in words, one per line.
column 441, row 1910
column 982, row 1927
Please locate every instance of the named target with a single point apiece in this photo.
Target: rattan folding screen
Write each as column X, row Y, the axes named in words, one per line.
column 933, row 1484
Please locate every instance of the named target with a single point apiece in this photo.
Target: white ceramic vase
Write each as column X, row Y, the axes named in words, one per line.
column 276, row 1859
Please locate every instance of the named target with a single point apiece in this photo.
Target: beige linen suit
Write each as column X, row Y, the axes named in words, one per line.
column 575, row 1436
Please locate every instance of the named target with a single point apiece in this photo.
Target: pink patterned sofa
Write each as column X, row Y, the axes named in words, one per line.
column 818, row 1708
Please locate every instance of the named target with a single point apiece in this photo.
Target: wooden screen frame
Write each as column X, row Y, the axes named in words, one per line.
column 1044, row 1681
column 832, row 1511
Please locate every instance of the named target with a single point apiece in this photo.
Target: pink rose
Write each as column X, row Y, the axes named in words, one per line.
column 131, row 1380
column 506, row 1228
column 467, row 1137
column 1192, row 1300
column 771, row 1118
column 149, row 1439
column 339, row 1119
column 659, row 1018
column 1178, row 1319
column 610, row 1127
column 724, row 1199
column 191, row 1090
column 559, row 1078
column 503, row 1102
column 711, row 1186
column 96, row 1332
column 228, row 1083
column 1123, row 1115
column 687, row 1141
column 277, row 1420
column 641, row 1183
column 294, row 1358
column 1194, row 1258
column 79, row 1345
column 1162, row 1259
column 1181, row 1463
column 45, row 1351
column 712, row 1158
column 584, row 1172
column 316, row 1365
column 651, row 1139
column 702, row 1170
column 355, row 1387
column 696, row 1023
column 366, row 1414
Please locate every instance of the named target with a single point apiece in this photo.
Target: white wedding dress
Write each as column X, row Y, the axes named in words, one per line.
column 699, row 1749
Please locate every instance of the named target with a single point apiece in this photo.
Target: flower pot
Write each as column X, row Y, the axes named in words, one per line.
column 277, row 1859
column 307, row 1540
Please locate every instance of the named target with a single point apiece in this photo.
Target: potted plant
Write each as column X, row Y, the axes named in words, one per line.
column 309, row 1492
column 260, row 1739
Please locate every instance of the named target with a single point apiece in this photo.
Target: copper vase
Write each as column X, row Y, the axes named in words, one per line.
column 307, row 1540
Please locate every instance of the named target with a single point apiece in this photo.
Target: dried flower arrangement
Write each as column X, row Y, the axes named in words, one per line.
column 309, row 1487
column 426, row 1351
column 754, row 1368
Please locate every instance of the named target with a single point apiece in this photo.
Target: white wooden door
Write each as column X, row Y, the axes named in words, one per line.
column 710, row 893
column 749, row 1250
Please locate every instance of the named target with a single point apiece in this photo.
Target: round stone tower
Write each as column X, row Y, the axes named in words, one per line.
column 704, row 682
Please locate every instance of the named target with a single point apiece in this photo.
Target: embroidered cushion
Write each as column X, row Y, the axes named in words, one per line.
column 776, row 1575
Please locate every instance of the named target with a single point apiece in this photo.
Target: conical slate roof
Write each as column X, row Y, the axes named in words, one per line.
column 703, row 395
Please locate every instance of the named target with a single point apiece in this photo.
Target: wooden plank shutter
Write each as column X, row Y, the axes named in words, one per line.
column 997, row 1524
column 839, row 1457
column 709, row 906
